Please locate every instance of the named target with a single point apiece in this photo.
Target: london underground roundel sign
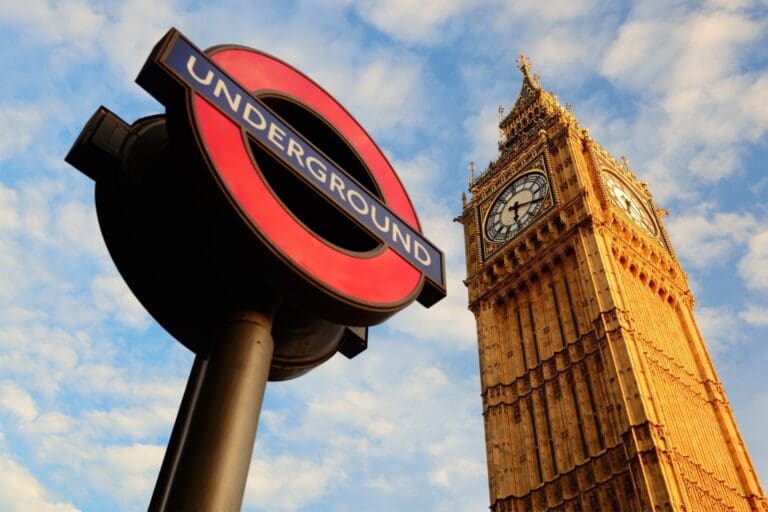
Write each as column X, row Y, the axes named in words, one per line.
column 222, row 91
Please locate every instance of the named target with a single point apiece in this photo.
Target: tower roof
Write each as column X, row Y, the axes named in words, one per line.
column 534, row 109
column 530, row 94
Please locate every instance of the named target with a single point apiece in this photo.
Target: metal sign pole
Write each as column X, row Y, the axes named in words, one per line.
column 178, row 437
column 207, row 462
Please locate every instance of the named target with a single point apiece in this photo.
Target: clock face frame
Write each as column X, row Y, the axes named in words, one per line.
column 516, row 206
column 625, row 199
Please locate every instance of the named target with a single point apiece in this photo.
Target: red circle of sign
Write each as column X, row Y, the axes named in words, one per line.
column 383, row 279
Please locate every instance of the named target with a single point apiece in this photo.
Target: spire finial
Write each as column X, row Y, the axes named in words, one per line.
column 524, row 64
column 501, row 112
column 472, row 170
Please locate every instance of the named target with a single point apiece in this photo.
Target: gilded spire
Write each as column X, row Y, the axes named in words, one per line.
column 533, row 113
column 530, row 91
column 524, row 65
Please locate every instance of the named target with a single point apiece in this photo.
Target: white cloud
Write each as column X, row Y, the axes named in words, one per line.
column 39, row 356
column 135, row 467
column 20, row 491
column 755, row 315
column 77, row 29
column 704, row 105
column 677, row 52
column 731, row 4
column 556, row 11
column 26, row 120
column 458, row 461
column 42, row 211
column 449, row 320
column 708, row 240
column 54, row 22
column 709, row 41
column 130, row 35
column 754, row 417
column 448, row 323
column 483, row 133
column 126, row 472
column 85, row 448
column 12, row 278
column 751, row 102
column 138, row 422
column 383, row 89
column 51, row 423
column 559, row 41
column 9, row 209
column 17, row 401
column 381, row 86
column 712, row 165
column 564, row 48
column 421, row 176
column 41, row 232
column 392, row 405
column 113, row 297
column 78, row 227
column 456, row 470
column 383, row 92
column 753, row 268
column 92, row 375
column 288, row 482
column 69, row 392
column 415, row 22
column 719, row 327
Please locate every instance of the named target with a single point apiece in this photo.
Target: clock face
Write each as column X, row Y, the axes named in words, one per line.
column 627, row 201
column 516, row 206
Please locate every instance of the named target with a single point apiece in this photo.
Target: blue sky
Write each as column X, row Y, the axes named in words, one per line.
column 89, row 385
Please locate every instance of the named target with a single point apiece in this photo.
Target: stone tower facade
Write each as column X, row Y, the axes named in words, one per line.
column 598, row 391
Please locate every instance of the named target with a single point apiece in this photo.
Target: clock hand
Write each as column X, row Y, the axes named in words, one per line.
column 530, row 202
column 516, row 206
column 513, row 208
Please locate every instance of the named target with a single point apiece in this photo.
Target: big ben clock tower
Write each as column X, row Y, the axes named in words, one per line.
column 598, row 391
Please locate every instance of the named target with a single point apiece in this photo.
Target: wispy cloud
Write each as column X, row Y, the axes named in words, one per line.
column 20, row 491
column 694, row 65
column 755, row 315
column 424, row 22
column 711, row 239
column 753, row 268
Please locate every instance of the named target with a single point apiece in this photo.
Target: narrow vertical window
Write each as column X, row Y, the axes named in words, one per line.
column 570, row 306
column 550, row 437
column 558, row 315
column 593, row 406
column 579, row 414
column 533, row 333
column 522, row 341
column 539, row 469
